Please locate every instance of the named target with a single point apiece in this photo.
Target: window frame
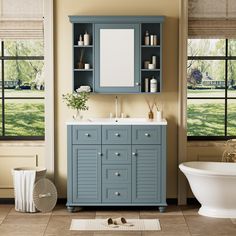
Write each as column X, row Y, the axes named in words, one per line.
column 4, row 58
column 224, row 58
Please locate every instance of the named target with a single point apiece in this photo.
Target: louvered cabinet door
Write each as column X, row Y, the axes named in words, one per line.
column 87, row 173
column 146, row 174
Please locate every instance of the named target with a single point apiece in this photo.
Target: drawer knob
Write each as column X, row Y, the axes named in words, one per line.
column 134, row 153
column 99, row 154
column 86, row 134
column 117, row 154
column 117, row 134
column 147, row 134
column 117, row 174
column 117, row 193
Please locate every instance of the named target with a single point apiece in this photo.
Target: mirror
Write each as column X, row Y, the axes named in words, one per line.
column 116, row 57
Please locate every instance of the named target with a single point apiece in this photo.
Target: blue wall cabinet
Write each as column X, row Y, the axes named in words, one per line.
column 127, row 170
column 124, row 38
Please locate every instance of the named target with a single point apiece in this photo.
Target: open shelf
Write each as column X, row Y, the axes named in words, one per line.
column 83, row 46
column 151, row 70
column 83, row 70
column 150, row 46
column 147, row 52
column 81, row 76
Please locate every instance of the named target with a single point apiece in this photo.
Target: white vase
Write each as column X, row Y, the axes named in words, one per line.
column 77, row 116
column 159, row 116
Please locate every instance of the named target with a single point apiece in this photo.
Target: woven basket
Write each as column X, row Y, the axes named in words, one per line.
column 40, row 171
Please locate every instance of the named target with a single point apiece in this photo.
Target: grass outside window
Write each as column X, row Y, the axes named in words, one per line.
column 211, row 82
column 22, row 90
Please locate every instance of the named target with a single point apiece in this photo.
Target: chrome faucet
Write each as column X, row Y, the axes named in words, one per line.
column 116, row 107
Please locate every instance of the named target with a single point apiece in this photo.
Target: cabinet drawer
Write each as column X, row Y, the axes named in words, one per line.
column 116, row 193
column 116, row 134
column 86, row 134
column 116, row 154
column 116, row 173
column 146, row 134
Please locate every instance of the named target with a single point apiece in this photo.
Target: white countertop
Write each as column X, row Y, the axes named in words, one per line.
column 118, row 121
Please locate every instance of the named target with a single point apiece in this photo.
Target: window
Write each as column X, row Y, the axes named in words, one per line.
column 22, row 89
column 211, row 82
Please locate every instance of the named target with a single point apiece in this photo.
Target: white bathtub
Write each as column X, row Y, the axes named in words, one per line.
column 214, row 186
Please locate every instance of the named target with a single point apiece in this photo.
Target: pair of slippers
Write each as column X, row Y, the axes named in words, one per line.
column 114, row 223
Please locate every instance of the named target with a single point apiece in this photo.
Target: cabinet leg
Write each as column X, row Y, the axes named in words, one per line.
column 162, row 209
column 72, row 209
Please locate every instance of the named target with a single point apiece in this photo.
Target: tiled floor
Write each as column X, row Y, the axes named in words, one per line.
column 176, row 221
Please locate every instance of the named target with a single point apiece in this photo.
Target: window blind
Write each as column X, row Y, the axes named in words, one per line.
column 212, row 18
column 21, row 19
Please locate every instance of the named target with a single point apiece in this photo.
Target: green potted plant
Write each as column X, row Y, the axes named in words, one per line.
column 76, row 100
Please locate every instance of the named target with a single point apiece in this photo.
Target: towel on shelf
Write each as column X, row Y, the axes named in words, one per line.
column 23, row 186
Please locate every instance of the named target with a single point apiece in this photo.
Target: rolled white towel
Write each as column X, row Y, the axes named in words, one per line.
column 83, row 89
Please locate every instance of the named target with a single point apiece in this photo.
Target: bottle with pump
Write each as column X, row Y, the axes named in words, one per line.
column 146, row 39
column 153, row 85
column 86, row 39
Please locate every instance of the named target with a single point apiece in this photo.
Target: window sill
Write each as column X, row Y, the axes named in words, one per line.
column 209, row 138
column 17, row 143
column 206, row 143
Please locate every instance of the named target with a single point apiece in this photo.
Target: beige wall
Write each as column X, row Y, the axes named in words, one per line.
column 102, row 105
column 17, row 154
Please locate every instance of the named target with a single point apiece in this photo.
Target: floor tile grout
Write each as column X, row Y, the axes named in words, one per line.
column 6, row 215
column 185, row 219
column 47, row 224
column 186, row 222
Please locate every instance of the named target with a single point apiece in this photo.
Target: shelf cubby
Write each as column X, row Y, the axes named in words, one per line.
column 87, row 56
column 81, row 29
column 153, row 29
column 82, row 76
column 147, row 52
column 149, row 75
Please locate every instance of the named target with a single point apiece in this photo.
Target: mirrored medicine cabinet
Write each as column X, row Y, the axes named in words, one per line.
column 117, row 54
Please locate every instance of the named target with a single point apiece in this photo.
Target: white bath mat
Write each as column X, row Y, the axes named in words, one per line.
column 100, row 225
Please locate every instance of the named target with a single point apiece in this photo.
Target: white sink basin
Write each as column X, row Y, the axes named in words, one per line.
column 119, row 120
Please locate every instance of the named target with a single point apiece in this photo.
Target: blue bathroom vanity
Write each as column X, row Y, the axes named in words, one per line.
column 116, row 163
column 117, row 53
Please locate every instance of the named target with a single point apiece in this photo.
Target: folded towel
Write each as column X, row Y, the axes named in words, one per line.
column 84, row 89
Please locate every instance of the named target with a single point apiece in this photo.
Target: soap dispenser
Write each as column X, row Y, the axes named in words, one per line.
column 153, row 85
column 86, row 39
column 146, row 39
